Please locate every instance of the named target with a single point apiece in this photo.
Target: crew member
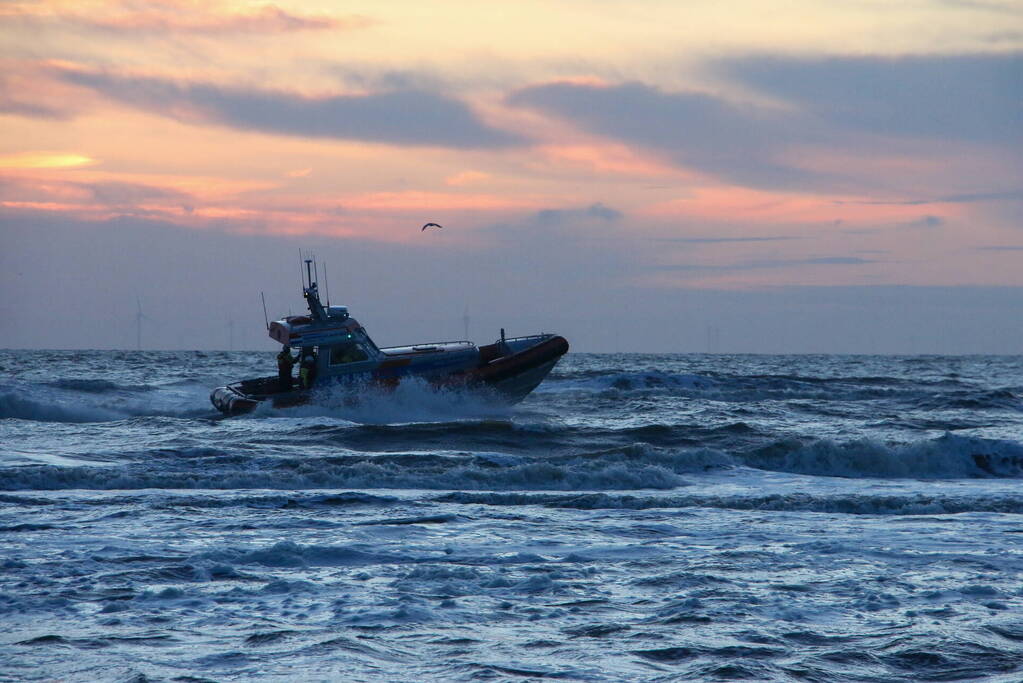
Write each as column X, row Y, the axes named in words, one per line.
column 307, row 370
column 285, row 362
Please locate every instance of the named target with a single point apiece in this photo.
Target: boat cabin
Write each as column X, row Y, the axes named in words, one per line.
column 337, row 340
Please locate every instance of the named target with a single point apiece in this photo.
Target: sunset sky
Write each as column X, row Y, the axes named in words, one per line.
column 732, row 176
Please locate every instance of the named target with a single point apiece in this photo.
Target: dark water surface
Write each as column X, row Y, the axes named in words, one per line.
column 639, row 517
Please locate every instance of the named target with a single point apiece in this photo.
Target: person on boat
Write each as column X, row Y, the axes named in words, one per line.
column 307, row 370
column 285, row 362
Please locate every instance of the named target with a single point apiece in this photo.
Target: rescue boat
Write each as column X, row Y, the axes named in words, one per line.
column 338, row 352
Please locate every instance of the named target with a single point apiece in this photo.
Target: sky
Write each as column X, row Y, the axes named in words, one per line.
column 644, row 176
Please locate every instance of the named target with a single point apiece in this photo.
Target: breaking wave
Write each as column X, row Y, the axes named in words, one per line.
column 18, row 407
column 635, row 467
column 81, row 401
column 946, row 457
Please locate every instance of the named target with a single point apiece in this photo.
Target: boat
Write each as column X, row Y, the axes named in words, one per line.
column 339, row 353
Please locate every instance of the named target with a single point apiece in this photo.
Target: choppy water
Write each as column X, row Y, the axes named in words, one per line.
column 639, row 517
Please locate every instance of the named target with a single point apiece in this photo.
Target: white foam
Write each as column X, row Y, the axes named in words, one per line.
column 413, row 400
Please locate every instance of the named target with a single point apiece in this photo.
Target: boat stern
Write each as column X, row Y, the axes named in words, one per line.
column 230, row 401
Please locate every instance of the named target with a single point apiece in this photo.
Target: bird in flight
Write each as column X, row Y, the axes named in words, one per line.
column 431, row 225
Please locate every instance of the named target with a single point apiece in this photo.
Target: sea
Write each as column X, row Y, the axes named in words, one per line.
column 637, row 518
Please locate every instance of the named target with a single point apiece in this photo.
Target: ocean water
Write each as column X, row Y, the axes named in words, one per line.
column 639, row 517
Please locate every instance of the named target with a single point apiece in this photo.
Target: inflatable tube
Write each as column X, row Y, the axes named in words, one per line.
column 508, row 366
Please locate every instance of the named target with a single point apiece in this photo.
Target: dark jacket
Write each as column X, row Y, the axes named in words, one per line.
column 285, row 361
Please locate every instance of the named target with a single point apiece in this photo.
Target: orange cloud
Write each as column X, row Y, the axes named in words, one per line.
column 609, row 158
column 466, row 177
column 28, row 88
column 421, row 201
column 25, row 160
column 240, row 205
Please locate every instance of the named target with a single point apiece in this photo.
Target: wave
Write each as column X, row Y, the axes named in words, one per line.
column 96, row 386
column 291, row 554
column 996, row 399
column 863, row 504
column 639, row 466
column 268, row 501
column 75, row 399
column 946, row 457
column 18, row 407
column 935, row 394
column 80, row 401
column 542, row 438
column 627, row 381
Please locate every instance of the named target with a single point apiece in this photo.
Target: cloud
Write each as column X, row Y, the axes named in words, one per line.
column 826, row 108
column 27, row 160
column 466, row 178
column 560, row 216
column 724, row 240
column 28, row 89
column 43, row 196
column 925, row 222
column 399, row 117
column 974, row 98
column 1001, row 247
column 10, row 104
column 969, row 198
column 182, row 17
column 1000, row 7
column 1005, row 37
column 774, row 263
column 117, row 193
column 742, row 143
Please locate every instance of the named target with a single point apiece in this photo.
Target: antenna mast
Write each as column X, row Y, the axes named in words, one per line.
column 266, row 318
column 326, row 283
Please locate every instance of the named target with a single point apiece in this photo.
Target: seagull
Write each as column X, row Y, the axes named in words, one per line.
column 431, row 225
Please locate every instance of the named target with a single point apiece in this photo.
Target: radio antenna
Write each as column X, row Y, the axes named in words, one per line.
column 326, row 283
column 266, row 318
column 300, row 269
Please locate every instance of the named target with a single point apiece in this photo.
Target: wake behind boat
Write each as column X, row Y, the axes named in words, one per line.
column 335, row 350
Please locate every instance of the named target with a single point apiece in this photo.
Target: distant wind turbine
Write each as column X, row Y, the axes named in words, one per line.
column 139, row 317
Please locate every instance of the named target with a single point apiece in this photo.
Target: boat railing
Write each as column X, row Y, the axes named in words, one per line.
column 461, row 342
column 542, row 335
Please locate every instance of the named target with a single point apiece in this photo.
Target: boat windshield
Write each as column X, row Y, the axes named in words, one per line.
column 347, row 353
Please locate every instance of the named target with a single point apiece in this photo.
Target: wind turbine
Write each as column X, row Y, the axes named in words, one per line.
column 139, row 317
